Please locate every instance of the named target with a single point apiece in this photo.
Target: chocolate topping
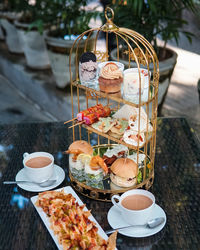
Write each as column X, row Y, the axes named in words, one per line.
column 88, row 56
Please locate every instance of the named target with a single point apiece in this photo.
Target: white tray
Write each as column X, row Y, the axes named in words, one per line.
column 45, row 219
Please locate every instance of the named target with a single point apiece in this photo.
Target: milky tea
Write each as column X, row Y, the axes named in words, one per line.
column 136, row 202
column 38, row 162
column 135, row 206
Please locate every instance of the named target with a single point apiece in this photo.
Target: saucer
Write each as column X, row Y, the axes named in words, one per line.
column 59, row 174
column 115, row 220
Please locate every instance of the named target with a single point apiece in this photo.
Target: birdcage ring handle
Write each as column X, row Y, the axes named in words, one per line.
column 108, row 9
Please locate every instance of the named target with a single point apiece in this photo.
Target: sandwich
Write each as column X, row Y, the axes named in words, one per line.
column 124, row 172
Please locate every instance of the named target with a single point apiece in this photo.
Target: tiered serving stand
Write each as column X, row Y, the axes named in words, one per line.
column 139, row 50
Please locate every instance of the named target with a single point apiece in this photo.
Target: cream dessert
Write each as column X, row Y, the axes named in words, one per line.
column 110, row 78
column 87, row 68
column 133, row 85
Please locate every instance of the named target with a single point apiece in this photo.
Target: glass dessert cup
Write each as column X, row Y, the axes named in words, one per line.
column 110, row 86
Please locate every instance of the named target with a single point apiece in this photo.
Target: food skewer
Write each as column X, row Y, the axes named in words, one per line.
column 91, row 115
column 79, row 123
column 70, row 120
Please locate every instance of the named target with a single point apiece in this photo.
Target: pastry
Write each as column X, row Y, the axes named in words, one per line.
column 110, row 78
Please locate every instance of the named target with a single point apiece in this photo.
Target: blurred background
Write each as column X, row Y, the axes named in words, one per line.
column 36, row 37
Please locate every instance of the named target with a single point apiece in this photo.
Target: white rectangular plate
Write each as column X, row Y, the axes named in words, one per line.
column 44, row 217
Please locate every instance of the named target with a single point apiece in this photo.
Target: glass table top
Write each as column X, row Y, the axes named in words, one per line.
column 176, row 186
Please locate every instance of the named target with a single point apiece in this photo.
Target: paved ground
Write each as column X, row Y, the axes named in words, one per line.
column 182, row 98
column 16, row 108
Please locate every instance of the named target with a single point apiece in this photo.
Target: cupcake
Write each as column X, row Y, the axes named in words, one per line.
column 87, row 68
column 110, row 78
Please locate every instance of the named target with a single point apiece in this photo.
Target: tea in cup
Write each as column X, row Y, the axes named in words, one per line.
column 38, row 166
column 136, row 206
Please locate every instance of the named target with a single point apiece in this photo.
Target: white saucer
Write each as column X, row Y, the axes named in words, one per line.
column 115, row 220
column 59, row 175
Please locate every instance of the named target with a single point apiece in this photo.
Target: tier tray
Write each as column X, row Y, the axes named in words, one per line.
column 106, row 194
column 93, row 92
column 115, row 139
column 106, row 189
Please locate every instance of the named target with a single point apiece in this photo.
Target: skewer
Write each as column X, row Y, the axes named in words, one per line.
column 70, row 120
column 109, row 104
column 95, row 111
column 79, row 123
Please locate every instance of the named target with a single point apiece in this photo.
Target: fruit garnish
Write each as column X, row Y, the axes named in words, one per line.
column 84, row 158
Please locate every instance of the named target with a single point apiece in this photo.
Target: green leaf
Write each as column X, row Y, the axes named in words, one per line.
column 38, row 24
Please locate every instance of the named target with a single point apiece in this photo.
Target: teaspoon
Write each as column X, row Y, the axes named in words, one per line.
column 150, row 224
column 41, row 184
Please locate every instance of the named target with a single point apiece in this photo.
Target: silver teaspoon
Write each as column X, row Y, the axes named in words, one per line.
column 150, row 224
column 41, row 184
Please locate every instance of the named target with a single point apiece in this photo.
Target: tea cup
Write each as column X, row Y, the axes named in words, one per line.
column 38, row 171
column 131, row 216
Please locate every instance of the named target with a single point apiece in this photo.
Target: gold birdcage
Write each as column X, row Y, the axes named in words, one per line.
column 141, row 59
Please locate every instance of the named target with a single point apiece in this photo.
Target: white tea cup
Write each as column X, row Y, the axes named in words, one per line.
column 134, row 217
column 38, row 173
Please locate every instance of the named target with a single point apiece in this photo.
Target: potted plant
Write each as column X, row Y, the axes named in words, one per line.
column 8, row 14
column 70, row 20
column 153, row 19
column 30, row 27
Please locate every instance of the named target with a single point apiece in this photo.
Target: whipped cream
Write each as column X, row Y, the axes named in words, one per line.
column 88, row 70
column 111, row 71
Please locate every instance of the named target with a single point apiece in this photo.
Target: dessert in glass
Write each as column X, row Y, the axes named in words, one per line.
column 133, row 85
column 88, row 69
column 110, row 78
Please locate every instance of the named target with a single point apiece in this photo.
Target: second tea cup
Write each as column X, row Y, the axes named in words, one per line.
column 136, row 206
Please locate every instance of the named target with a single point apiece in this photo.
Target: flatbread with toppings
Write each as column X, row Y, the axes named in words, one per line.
column 70, row 222
column 119, row 127
column 104, row 124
